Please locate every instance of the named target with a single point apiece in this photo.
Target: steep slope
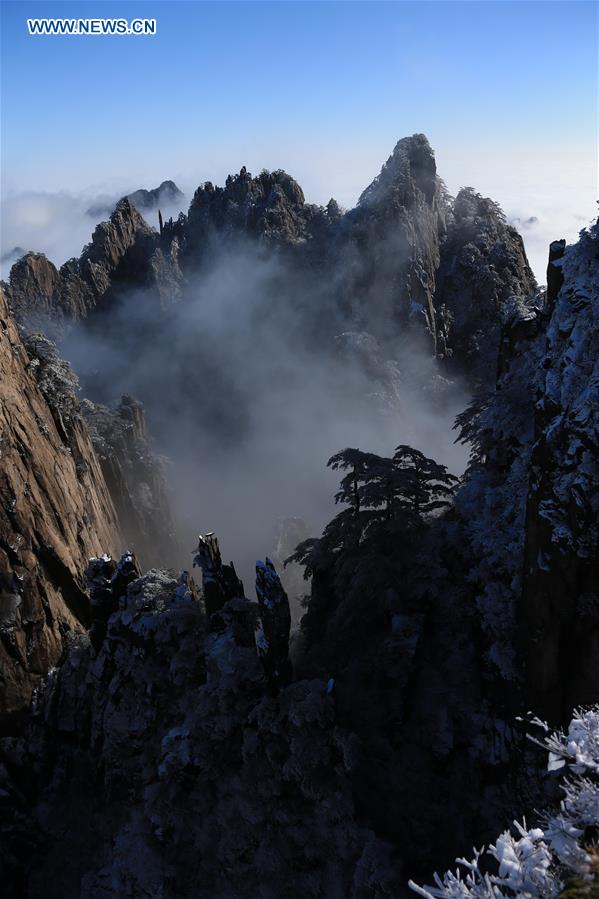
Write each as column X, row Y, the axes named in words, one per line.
column 436, row 641
column 135, row 477
column 55, row 512
column 530, row 498
column 392, row 250
column 559, row 613
column 77, row 480
column 483, row 272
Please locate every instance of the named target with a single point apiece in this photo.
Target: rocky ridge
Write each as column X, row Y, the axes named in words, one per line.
column 396, row 267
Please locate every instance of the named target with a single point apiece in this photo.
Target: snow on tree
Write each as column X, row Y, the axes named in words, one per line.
column 540, row 862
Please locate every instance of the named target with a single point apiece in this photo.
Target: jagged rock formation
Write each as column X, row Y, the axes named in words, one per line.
column 289, row 533
column 123, row 253
column 273, row 643
column 135, row 477
column 483, row 273
column 193, row 776
column 55, row 511
column 530, row 497
column 32, row 288
column 270, row 207
column 408, row 266
column 179, row 745
column 393, row 244
column 77, row 480
column 220, row 582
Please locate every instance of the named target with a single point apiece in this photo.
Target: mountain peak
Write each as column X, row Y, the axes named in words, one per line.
column 410, row 169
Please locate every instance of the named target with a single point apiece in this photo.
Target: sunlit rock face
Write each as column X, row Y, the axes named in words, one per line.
column 391, row 251
column 78, row 480
column 55, row 512
column 123, row 253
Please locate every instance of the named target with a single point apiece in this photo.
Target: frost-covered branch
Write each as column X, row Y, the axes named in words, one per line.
column 535, row 863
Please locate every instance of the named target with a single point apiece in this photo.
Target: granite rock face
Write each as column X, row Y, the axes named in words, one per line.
column 55, row 512
column 392, row 245
column 124, row 253
column 32, row 290
column 78, row 480
column 135, row 477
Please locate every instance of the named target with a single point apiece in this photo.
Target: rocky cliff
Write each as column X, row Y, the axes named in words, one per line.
column 135, row 476
column 55, row 512
column 77, row 480
column 559, row 611
column 483, row 273
column 392, row 245
column 123, row 254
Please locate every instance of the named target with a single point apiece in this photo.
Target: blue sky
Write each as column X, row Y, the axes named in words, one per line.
column 506, row 92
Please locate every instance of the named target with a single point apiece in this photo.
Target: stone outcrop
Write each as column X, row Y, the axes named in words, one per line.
column 188, row 774
column 135, row 477
column 32, row 290
column 289, row 533
column 55, row 512
column 483, row 272
column 273, row 643
column 559, row 612
column 270, row 206
column 123, row 253
column 391, row 250
column 78, row 480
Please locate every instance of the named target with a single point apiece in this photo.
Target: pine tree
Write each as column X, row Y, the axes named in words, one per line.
column 382, row 495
